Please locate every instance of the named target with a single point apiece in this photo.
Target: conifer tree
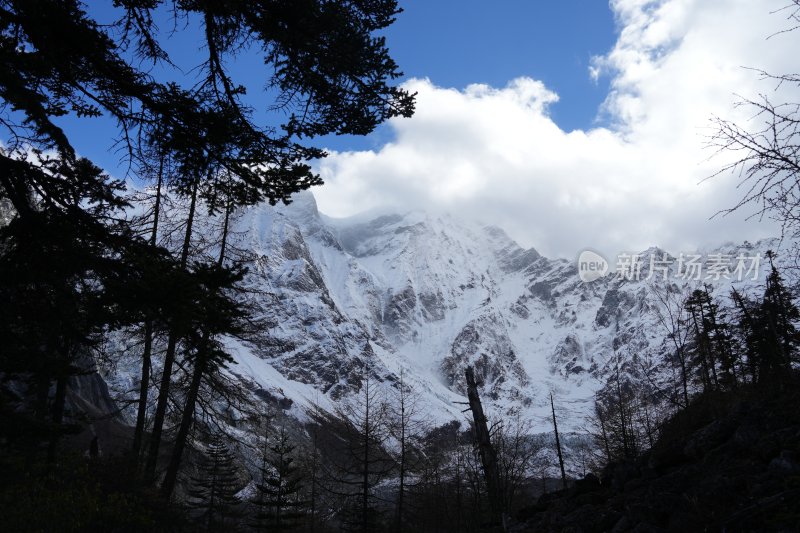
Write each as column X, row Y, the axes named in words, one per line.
column 405, row 424
column 70, row 270
column 355, row 437
column 713, row 354
column 748, row 332
column 212, row 491
column 279, row 499
column 777, row 317
column 767, row 327
column 214, row 313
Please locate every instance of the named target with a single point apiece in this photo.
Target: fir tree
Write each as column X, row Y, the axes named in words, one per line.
column 777, row 316
column 212, row 491
column 279, row 500
column 748, row 332
column 713, row 353
column 767, row 327
column 354, row 438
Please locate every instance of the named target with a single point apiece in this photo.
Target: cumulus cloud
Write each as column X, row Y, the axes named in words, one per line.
column 496, row 155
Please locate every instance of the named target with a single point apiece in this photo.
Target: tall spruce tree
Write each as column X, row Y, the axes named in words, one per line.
column 707, row 338
column 778, row 315
column 766, row 328
column 405, row 425
column 279, row 498
column 211, row 493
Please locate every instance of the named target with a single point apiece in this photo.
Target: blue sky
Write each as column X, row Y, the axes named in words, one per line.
column 451, row 42
column 458, row 42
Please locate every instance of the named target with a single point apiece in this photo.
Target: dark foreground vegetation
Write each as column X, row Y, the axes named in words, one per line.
column 728, row 462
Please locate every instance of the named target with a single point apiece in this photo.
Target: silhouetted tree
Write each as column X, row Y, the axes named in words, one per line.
column 615, row 410
column 212, row 490
column 673, row 317
column 766, row 155
column 280, row 503
column 778, row 316
column 486, row 450
column 215, row 313
column 558, row 442
column 700, row 308
column 516, row 453
column 405, row 425
column 767, row 327
column 70, row 270
column 356, row 461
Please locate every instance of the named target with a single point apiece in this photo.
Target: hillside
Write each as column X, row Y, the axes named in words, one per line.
column 730, row 462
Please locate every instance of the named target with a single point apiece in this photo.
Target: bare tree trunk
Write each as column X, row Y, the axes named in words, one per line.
column 712, row 362
column 705, row 371
column 200, row 368
column 144, row 387
column 684, row 377
column 312, row 500
column 365, row 466
column 558, row 443
column 144, row 384
column 487, row 451
column 169, row 357
column 187, row 419
column 749, row 323
column 406, row 407
column 401, row 489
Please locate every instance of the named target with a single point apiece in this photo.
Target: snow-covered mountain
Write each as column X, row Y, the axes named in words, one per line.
column 430, row 295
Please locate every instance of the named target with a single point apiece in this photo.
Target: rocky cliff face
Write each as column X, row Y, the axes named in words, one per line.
column 430, row 295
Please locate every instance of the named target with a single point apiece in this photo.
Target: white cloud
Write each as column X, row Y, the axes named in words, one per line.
column 495, row 154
